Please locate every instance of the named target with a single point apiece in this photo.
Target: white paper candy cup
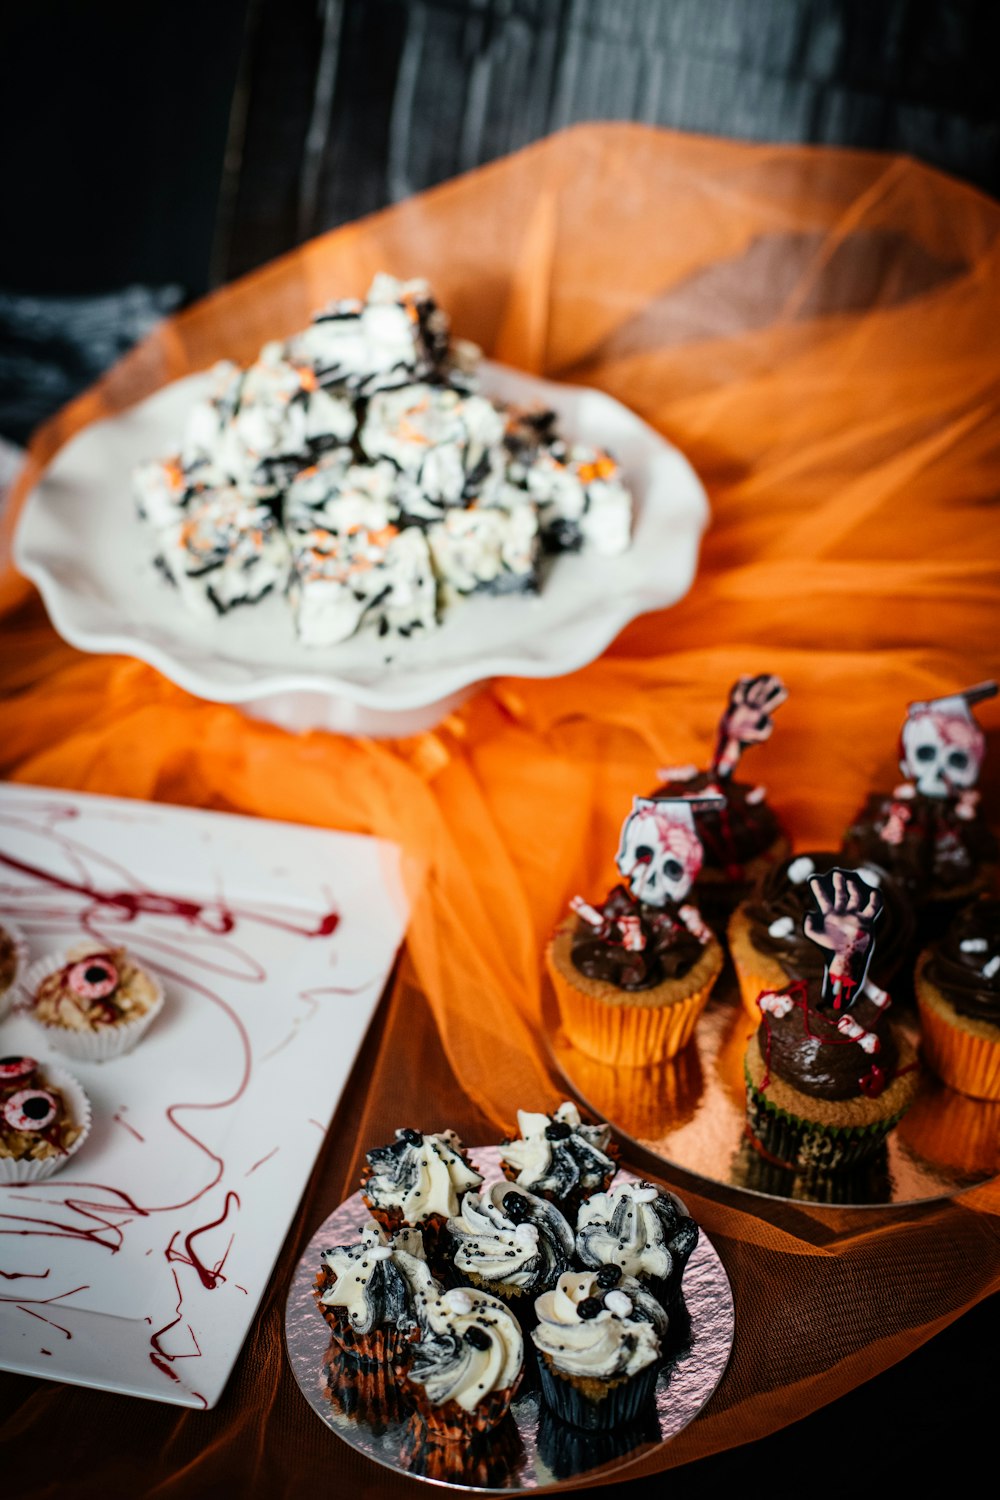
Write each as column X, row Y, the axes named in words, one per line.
column 17, row 937
column 87, row 1045
column 78, row 1105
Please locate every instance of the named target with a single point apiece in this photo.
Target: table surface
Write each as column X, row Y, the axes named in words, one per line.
column 808, row 327
column 263, row 1439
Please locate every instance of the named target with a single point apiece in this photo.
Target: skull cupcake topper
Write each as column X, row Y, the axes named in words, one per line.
column 941, row 744
column 660, row 854
column 747, row 719
column 848, row 908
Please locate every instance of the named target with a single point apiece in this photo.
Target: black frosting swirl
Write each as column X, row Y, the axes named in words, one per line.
column 957, row 970
column 565, row 1158
column 488, row 1243
column 805, row 1048
column 778, row 896
column 939, row 851
column 670, row 950
column 733, row 834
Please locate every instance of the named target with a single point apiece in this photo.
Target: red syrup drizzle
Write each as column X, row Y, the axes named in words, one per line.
column 798, row 992
column 119, row 1119
column 273, row 1152
column 210, row 1277
column 216, row 919
column 44, row 1320
column 133, row 904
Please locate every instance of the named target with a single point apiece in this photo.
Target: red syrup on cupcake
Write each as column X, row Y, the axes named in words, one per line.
column 827, row 1076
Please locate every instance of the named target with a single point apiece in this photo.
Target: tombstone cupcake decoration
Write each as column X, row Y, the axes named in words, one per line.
column 740, row 836
column 928, row 831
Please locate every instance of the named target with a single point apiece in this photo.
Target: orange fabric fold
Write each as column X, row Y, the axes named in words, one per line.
column 813, row 328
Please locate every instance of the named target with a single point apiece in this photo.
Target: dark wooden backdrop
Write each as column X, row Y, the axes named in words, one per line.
column 150, row 150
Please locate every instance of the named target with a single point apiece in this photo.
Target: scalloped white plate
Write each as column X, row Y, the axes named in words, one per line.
column 79, row 541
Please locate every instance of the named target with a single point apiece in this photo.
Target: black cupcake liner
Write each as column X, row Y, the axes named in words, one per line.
column 569, row 1451
column 621, row 1405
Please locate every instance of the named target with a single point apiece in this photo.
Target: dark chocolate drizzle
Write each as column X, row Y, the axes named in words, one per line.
column 778, row 896
column 670, row 951
column 939, row 852
column 959, row 975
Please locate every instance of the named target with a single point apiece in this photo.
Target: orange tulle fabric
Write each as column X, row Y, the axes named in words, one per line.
column 815, row 329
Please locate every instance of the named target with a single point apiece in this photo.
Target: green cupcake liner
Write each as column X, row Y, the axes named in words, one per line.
column 806, row 1145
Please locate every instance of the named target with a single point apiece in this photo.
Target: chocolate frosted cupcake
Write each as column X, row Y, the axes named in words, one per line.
column 641, row 1229
column 632, row 976
column 827, row 1077
column 740, row 835
column 373, row 1292
column 510, row 1243
column 598, row 1359
column 769, row 947
column 560, row 1158
column 958, row 994
column 417, row 1180
column 929, row 832
column 465, row 1368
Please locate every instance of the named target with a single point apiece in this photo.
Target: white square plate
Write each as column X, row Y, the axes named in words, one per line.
column 139, row 1267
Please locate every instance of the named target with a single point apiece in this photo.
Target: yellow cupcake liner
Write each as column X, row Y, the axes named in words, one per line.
column 968, row 1063
column 627, row 1036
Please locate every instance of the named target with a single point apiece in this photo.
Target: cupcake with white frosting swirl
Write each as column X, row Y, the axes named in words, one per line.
column 373, row 1292
column 642, row 1228
column 418, row 1180
column 466, row 1365
column 558, row 1157
column 510, row 1243
column 598, row 1354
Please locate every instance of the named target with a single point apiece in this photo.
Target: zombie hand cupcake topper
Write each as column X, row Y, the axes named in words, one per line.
column 848, row 908
column 941, row 745
column 660, row 853
column 747, row 719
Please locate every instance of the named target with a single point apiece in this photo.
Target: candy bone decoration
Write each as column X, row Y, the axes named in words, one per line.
column 847, row 910
column 747, row 719
column 660, row 854
column 942, row 745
